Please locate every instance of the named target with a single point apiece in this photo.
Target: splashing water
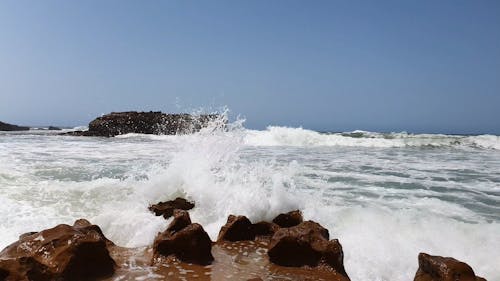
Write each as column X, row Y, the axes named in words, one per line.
column 386, row 197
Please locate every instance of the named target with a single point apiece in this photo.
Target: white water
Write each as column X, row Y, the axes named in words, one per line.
column 386, row 197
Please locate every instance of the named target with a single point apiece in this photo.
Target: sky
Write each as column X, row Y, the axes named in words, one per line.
column 415, row 66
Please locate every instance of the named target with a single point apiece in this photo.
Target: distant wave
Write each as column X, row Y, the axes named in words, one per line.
column 286, row 136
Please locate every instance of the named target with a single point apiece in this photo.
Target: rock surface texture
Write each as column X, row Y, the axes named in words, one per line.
column 436, row 268
column 292, row 242
column 158, row 123
column 65, row 252
column 10, row 127
column 297, row 251
column 239, row 228
column 183, row 240
column 289, row 219
column 306, row 244
column 166, row 209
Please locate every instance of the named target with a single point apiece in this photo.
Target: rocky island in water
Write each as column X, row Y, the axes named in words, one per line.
column 10, row 127
column 158, row 123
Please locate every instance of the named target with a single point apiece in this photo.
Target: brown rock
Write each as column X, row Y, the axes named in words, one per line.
column 166, row 209
column 265, row 228
column 436, row 268
column 237, row 228
column 190, row 244
column 64, row 252
column 26, row 234
column 85, row 226
column 289, row 219
column 180, row 221
column 306, row 244
column 3, row 274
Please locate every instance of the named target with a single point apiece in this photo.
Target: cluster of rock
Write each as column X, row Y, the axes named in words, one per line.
column 82, row 252
column 10, row 127
column 158, row 123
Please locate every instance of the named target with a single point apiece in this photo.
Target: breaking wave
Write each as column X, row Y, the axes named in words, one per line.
column 286, row 136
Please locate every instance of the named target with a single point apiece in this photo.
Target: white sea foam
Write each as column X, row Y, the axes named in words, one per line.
column 385, row 205
column 285, row 136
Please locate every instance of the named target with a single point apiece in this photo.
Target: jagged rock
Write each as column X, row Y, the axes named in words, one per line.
column 306, row 244
column 436, row 268
column 264, row 228
column 158, row 123
column 237, row 228
column 26, row 234
column 10, row 127
column 65, row 252
column 189, row 244
column 53, row 128
column 289, row 219
column 180, row 221
column 166, row 209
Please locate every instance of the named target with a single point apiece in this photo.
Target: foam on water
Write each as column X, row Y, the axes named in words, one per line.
column 284, row 136
column 387, row 197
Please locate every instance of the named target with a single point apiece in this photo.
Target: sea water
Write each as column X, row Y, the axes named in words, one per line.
column 386, row 197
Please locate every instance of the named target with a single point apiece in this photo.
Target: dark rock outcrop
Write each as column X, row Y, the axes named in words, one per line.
column 3, row 274
column 306, row 244
column 10, row 127
column 292, row 242
column 158, row 123
column 264, row 228
column 189, row 243
column 237, row 228
column 65, row 252
column 289, row 219
column 166, row 209
column 436, row 268
column 180, row 221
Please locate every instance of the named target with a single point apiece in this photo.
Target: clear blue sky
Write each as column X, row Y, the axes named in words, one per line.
column 419, row 66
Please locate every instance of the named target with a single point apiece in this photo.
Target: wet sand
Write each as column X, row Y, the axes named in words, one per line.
column 242, row 260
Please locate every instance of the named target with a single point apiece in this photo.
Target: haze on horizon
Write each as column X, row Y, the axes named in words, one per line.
column 423, row 66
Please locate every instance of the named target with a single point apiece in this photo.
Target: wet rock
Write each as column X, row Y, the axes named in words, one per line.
column 3, row 274
column 190, row 244
column 53, row 128
column 237, row 228
column 180, row 221
column 65, row 252
column 118, row 123
column 85, row 226
column 306, row 244
column 289, row 219
column 436, row 268
column 26, row 234
column 265, row 228
column 10, row 127
column 166, row 209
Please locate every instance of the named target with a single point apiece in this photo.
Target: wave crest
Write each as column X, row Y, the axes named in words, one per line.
column 286, row 136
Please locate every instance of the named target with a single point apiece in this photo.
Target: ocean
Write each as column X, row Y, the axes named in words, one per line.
column 385, row 196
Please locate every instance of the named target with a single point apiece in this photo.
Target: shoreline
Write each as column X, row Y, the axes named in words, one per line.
column 288, row 248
